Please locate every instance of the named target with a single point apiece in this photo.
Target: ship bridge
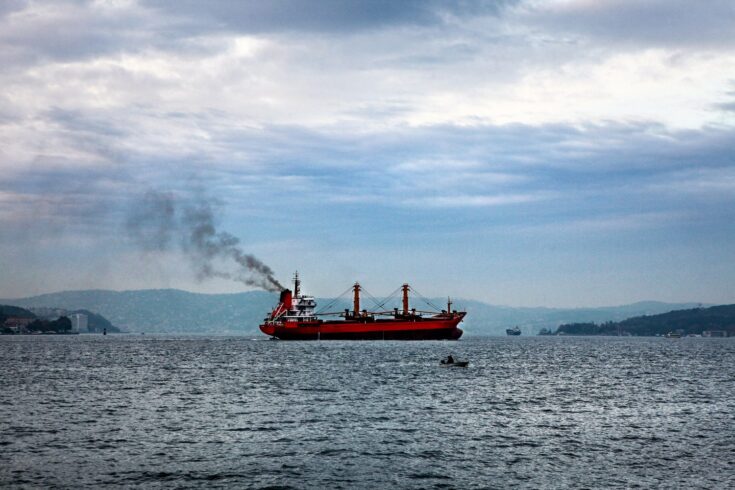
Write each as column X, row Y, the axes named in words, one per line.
column 302, row 307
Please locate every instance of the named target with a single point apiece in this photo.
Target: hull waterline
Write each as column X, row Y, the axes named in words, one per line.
column 379, row 330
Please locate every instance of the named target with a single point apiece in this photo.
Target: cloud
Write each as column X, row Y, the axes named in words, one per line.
column 653, row 23
column 608, row 224
column 471, row 201
column 485, row 64
column 377, row 121
column 9, row 6
column 32, row 32
column 698, row 182
column 481, row 165
column 544, row 170
column 328, row 16
column 729, row 105
column 63, row 31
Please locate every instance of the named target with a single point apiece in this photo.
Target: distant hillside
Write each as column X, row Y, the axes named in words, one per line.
column 7, row 311
column 96, row 323
column 690, row 321
column 485, row 319
column 165, row 310
column 171, row 310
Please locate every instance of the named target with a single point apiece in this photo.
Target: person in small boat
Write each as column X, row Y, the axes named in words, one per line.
column 450, row 359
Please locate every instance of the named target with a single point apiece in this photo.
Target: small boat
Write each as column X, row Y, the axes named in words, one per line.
column 673, row 335
column 453, row 363
column 513, row 331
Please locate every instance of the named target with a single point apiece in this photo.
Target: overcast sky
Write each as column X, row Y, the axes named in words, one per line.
column 555, row 153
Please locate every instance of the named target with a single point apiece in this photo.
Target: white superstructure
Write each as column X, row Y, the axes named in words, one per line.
column 302, row 307
column 79, row 323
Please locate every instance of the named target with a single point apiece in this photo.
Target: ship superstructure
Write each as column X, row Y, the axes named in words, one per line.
column 295, row 318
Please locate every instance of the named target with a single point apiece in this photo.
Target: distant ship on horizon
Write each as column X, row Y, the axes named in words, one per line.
column 294, row 318
column 513, row 331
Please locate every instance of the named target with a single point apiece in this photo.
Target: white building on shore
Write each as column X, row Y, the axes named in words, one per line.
column 79, row 323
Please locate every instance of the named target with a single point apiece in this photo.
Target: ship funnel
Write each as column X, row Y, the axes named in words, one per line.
column 286, row 301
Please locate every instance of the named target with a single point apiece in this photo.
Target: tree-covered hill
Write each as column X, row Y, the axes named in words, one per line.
column 8, row 311
column 689, row 321
column 96, row 323
column 61, row 324
column 46, row 318
column 165, row 310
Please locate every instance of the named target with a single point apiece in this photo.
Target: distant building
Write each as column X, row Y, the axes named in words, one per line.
column 17, row 325
column 79, row 323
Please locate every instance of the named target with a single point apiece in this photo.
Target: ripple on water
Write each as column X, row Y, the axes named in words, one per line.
column 189, row 412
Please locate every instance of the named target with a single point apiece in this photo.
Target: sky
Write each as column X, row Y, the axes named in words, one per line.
column 520, row 152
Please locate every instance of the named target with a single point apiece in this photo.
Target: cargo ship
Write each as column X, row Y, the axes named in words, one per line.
column 295, row 318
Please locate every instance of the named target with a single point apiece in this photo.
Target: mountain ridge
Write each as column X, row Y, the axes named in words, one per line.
column 170, row 310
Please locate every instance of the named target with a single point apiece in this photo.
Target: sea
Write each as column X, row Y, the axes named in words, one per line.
column 162, row 411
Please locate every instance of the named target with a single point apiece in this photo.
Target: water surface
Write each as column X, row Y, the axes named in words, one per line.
column 188, row 412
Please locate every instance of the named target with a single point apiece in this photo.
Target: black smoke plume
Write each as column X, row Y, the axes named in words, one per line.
column 158, row 221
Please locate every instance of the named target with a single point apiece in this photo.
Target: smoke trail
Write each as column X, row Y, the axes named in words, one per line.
column 157, row 220
column 151, row 222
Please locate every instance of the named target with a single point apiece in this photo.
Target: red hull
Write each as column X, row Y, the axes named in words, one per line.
column 440, row 327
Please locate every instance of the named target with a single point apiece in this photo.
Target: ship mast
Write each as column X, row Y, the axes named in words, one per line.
column 356, row 301
column 296, row 285
column 405, row 288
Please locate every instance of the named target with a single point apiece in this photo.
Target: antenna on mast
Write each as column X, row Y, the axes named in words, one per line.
column 296, row 285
